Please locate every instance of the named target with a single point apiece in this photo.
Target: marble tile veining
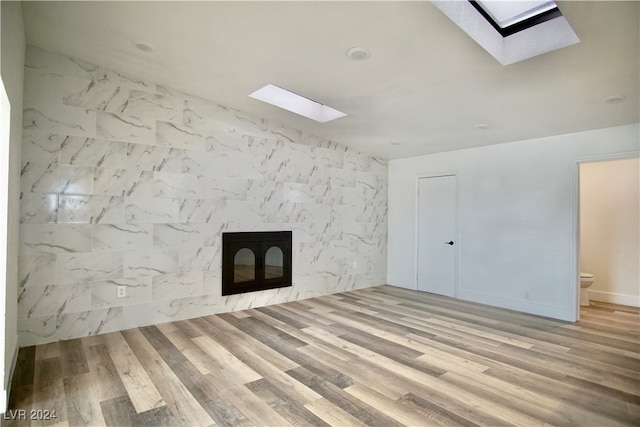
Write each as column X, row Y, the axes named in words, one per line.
column 152, row 210
column 87, row 323
column 179, row 136
column 61, row 119
column 153, row 158
column 99, row 96
column 120, row 127
column 38, row 239
column 41, row 147
column 122, row 236
column 233, row 165
column 167, row 235
column 123, row 81
column 36, row 270
column 129, row 184
column 151, row 263
column 200, row 258
column 54, row 178
column 89, row 266
column 91, row 209
column 93, row 152
column 172, row 286
column 51, row 62
column 41, row 83
column 123, row 182
column 159, row 107
column 265, row 191
column 36, row 208
column 53, row 300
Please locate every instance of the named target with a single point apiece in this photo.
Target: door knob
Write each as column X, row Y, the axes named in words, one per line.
column 450, row 242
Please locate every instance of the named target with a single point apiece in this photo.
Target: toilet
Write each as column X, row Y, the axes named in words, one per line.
column 586, row 280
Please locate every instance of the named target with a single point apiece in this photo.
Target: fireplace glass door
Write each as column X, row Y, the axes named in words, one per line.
column 273, row 263
column 244, row 266
column 255, row 261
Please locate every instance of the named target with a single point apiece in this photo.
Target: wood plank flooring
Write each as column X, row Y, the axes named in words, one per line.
column 382, row 356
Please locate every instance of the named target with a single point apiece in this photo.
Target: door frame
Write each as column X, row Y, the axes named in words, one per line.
column 575, row 219
column 456, row 237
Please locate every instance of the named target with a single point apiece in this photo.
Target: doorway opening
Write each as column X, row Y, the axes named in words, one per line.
column 606, row 233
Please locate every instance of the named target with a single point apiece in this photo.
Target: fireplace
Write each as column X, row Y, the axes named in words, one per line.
column 255, row 261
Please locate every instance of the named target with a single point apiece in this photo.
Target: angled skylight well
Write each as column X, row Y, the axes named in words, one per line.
column 511, row 30
column 295, row 103
column 510, row 17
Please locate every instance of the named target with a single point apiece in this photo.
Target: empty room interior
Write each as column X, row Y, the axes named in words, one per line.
column 326, row 213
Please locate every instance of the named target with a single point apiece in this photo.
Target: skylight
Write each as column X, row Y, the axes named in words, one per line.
column 510, row 17
column 295, row 103
column 531, row 27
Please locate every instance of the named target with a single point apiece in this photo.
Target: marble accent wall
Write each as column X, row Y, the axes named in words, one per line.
column 128, row 183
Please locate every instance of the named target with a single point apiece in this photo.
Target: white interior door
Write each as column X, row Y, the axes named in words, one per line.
column 437, row 234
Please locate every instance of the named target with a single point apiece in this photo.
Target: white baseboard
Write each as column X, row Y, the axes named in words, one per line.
column 614, row 298
column 399, row 283
column 554, row 312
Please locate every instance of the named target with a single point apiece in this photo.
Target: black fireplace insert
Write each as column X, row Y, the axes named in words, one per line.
column 255, row 261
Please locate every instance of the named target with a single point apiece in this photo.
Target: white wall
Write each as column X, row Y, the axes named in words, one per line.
column 610, row 229
column 517, row 222
column 127, row 183
column 11, row 69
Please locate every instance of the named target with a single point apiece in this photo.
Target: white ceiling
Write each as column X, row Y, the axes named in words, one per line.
column 426, row 85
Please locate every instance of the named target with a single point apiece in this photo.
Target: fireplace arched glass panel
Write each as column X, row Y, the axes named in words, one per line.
column 244, row 266
column 273, row 263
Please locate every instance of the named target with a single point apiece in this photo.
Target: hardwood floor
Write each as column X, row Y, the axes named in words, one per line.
column 382, row 356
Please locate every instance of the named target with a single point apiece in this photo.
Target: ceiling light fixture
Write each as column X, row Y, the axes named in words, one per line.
column 483, row 126
column 614, row 99
column 143, row 46
column 358, row 53
column 295, row 103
